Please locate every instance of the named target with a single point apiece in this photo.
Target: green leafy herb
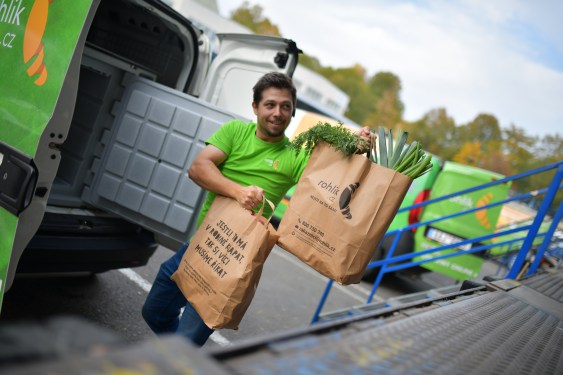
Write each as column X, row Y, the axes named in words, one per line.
column 339, row 137
column 409, row 160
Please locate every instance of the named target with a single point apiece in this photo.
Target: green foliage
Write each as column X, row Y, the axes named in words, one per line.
column 338, row 137
column 410, row 160
column 436, row 130
column 484, row 126
column 310, row 62
column 388, row 111
column 352, row 81
column 251, row 17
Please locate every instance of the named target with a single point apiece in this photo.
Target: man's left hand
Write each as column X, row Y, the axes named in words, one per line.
column 365, row 134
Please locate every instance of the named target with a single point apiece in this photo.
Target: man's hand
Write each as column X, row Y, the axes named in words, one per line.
column 365, row 134
column 250, row 196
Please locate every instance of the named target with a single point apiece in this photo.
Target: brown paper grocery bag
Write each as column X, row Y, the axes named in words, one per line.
column 220, row 270
column 340, row 210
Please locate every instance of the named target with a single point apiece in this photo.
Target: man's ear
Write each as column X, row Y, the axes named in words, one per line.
column 255, row 108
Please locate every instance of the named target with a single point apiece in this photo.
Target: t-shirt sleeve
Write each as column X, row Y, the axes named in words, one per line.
column 224, row 136
column 301, row 161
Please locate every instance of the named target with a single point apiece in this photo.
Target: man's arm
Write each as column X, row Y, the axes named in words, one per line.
column 205, row 173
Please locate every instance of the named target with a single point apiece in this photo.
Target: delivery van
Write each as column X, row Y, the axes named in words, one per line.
column 454, row 177
column 445, row 177
column 517, row 215
column 104, row 105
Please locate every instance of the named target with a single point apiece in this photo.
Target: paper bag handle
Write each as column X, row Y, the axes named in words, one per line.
column 259, row 213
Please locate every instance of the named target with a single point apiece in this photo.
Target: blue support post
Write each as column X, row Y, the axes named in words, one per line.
column 383, row 267
column 322, row 302
column 526, row 246
column 546, row 240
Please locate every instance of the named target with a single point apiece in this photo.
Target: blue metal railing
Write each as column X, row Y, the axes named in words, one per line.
column 518, row 261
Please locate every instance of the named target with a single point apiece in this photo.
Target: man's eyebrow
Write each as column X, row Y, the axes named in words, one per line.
column 275, row 101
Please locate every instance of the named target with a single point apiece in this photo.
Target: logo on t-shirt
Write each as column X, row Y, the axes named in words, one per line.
column 272, row 163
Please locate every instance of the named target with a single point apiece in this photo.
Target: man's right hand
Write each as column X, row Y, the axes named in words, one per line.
column 250, row 196
column 206, row 174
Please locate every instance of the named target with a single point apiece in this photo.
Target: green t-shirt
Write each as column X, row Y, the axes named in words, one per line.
column 274, row 167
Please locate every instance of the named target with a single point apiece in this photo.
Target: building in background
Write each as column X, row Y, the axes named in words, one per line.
column 314, row 92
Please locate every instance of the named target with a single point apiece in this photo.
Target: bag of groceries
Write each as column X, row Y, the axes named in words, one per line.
column 221, row 268
column 342, row 207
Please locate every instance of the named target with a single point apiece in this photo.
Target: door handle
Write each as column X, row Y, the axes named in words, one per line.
column 18, row 179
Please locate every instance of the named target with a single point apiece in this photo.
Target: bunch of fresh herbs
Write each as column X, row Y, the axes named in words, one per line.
column 337, row 136
column 409, row 160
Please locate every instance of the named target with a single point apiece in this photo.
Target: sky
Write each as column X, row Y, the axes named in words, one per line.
column 501, row 57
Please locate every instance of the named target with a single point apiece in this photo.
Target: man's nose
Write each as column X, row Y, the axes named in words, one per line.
column 277, row 110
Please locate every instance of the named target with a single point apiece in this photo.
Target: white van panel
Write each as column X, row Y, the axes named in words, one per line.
column 241, row 61
column 142, row 174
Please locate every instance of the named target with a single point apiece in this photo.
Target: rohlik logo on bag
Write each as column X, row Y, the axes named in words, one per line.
column 345, row 196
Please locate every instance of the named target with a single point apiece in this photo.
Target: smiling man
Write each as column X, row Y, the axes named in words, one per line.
column 244, row 161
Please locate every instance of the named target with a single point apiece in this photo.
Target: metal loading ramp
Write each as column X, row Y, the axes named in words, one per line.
column 503, row 327
column 550, row 285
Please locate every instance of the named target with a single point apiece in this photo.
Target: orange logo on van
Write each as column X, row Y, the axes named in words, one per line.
column 32, row 41
column 482, row 214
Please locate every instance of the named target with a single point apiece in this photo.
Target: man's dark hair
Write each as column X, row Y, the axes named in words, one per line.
column 277, row 80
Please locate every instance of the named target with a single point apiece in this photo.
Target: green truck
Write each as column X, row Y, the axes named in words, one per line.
column 445, row 178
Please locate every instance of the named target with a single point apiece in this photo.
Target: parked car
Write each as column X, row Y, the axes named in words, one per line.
column 100, row 121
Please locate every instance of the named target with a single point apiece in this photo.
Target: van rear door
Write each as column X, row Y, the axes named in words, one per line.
column 241, row 61
column 158, row 131
column 40, row 48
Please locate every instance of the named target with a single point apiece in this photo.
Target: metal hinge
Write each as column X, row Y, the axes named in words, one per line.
column 18, row 177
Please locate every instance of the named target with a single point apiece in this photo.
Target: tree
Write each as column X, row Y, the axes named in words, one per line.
column 310, row 62
column 486, row 130
column 548, row 150
column 518, row 145
column 352, row 81
column 470, row 154
column 388, row 107
column 437, row 133
column 483, row 127
column 251, row 17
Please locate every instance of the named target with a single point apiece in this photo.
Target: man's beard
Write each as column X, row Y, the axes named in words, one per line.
column 271, row 133
column 275, row 135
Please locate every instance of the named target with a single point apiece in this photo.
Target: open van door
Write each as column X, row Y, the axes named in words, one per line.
column 158, row 131
column 241, row 61
column 41, row 44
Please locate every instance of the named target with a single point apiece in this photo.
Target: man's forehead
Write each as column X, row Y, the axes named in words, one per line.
column 276, row 95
